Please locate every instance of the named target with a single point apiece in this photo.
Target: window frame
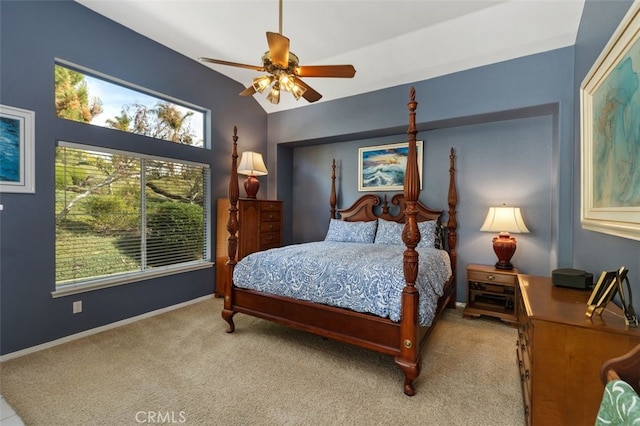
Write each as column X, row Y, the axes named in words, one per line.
column 206, row 136
column 89, row 284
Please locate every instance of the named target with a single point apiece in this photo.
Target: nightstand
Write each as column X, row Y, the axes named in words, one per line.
column 492, row 292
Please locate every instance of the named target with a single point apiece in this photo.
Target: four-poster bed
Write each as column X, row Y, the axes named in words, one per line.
column 402, row 338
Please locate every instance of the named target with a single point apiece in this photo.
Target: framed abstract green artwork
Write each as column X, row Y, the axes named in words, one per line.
column 610, row 134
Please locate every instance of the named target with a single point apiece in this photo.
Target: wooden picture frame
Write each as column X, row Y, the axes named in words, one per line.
column 381, row 168
column 610, row 199
column 17, row 139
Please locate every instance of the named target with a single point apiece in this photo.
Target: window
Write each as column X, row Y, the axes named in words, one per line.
column 80, row 96
column 121, row 215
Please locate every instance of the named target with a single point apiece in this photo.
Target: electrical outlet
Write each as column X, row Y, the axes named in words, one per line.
column 77, row 306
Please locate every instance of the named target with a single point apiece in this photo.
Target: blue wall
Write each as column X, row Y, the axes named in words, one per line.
column 34, row 34
column 510, row 123
column 594, row 251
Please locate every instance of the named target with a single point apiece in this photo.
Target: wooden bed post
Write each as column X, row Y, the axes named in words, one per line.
column 409, row 359
column 232, row 227
column 333, row 199
column 452, row 224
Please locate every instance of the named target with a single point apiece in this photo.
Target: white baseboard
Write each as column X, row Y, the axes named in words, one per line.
column 100, row 329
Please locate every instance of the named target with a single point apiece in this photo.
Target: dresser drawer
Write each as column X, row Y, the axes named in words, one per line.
column 490, row 277
column 269, row 227
column 527, row 329
column 271, row 239
column 270, row 216
column 270, row 206
column 523, row 356
column 524, row 366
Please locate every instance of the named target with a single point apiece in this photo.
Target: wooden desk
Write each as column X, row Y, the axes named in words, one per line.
column 560, row 352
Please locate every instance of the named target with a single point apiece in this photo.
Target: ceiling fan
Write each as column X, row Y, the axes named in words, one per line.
column 284, row 70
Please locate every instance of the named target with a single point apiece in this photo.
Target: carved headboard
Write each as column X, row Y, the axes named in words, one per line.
column 364, row 210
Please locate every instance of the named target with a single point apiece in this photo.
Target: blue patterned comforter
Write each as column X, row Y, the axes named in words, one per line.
column 362, row 277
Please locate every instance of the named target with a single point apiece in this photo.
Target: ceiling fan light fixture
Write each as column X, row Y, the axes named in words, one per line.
column 261, row 83
column 286, row 82
column 274, row 94
column 297, row 91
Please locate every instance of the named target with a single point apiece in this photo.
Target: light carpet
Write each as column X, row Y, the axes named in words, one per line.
column 180, row 367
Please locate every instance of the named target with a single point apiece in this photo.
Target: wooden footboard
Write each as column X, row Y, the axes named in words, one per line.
column 403, row 340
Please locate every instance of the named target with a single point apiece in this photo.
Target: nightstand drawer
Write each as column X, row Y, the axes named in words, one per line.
column 489, row 277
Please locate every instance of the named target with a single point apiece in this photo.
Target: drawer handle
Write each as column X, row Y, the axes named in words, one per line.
column 491, row 277
column 270, row 216
column 270, row 227
column 526, row 374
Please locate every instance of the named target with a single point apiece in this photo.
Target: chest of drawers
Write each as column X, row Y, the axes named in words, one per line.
column 560, row 352
column 260, row 228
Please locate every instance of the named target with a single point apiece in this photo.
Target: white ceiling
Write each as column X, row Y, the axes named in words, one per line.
column 389, row 42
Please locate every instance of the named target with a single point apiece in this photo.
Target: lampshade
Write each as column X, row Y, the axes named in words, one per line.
column 286, row 82
column 261, row 83
column 504, row 220
column 274, row 94
column 297, row 91
column 252, row 165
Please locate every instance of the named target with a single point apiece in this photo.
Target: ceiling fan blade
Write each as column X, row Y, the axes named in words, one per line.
column 232, row 64
column 248, row 91
column 310, row 94
column 278, row 49
column 335, row 71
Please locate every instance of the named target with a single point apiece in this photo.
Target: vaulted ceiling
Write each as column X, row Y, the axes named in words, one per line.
column 389, row 42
